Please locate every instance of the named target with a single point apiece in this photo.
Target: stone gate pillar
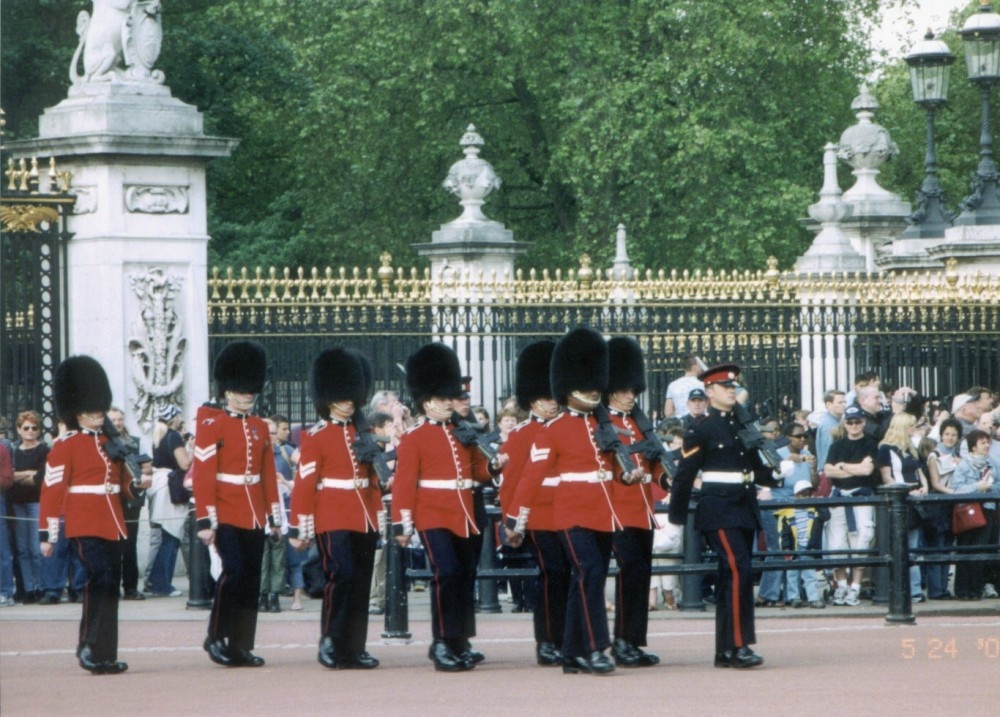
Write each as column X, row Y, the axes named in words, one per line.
column 136, row 264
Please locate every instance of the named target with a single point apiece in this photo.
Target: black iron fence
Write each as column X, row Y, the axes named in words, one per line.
column 890, row 556
column 795, row 336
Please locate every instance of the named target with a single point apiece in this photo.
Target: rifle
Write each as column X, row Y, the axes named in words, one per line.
column 120, row 449
column 651, row 446
column 607, row 439
column 472, row 435
column 752, row 439
column 368, row 451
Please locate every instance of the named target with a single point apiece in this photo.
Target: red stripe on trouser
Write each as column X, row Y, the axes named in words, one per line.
column 583, row 593
column 544, row 580
column 735, row 592
column 84, row 621
column 435, row 588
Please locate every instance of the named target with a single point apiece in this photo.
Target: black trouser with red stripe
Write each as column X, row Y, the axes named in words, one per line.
column 633, row 549
column 553, row 586
column 102, row 561
column 453, row 587
column 589, row 553
column 348, row 558
column 734, row 591
column 234, row 614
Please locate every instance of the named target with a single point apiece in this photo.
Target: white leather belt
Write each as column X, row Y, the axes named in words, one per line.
column 551, row 482
column 238, row 479
column 105, row 489
column 345, row 483
column 733, row 477
column 446, row 483
column 588, row 477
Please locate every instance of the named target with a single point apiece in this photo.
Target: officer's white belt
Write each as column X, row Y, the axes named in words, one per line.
column 588, row 477
column 446, row 483
column 551, row 482
column 345, row 483
column 238, row 478
column 103, row 489
column 726, row 477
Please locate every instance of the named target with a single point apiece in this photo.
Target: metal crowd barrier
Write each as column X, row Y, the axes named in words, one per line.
column 891, row 557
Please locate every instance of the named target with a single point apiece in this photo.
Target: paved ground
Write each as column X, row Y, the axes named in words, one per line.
column 843, row 660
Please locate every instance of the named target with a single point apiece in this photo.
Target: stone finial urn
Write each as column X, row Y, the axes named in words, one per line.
column 866, row 146
column 471, row 179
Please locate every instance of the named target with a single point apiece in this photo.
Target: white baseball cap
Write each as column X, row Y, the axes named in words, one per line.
column 801, row 485
column 959, row 401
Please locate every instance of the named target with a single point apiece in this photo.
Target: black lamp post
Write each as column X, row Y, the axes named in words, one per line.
column 929, row 63
column 981, row 39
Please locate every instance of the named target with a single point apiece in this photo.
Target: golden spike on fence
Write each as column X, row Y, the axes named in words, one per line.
column 215, row 284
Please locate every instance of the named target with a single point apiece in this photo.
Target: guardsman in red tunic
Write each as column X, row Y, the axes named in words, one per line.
column 85, row 485
column 583, row 512
column 432, row 493
column 633, row 542
column 727, row 512
column 534, row 394
column 236, row 499
column 336, row 501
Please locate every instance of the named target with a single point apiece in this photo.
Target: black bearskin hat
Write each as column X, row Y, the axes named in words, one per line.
column 579, row 363
column 433, row 370
column 531, row 373
column 626, row 368
column 338, row 375
column 916, row 405
column 368, row 371
column 241, row 367
column 80, row 386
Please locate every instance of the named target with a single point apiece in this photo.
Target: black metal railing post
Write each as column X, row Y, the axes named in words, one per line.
column 900, row 603
column 691, row 582
column 199, row 597
column 488, row 591
column 397, row 611
column 880, row 575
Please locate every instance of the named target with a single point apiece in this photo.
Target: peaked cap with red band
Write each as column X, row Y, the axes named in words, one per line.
column 725, row 374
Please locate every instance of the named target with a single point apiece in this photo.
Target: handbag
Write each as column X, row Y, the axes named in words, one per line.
column 966, row 517
column 179, row 495
column 825, row 486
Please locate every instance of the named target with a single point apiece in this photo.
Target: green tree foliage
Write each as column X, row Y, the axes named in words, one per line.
column 700, row 125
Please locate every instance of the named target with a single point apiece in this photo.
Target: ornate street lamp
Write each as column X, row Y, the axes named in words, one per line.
column 929, row 63
column 981, row 39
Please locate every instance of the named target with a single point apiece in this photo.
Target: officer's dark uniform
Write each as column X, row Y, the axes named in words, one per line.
column 727, row 515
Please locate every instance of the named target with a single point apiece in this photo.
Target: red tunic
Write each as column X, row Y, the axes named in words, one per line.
column 429, row 452
column 79, row 483
column 349, row 499
column 566, row 449
column 235, row 481
column 633, row 503
column 518, row 448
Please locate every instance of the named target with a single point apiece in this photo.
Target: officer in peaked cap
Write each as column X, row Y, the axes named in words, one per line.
column 727, row 512
column 534, row 394
column 583, row 512
column 236, row 499
column 336, row 502
column 633, row 541
column 432, row 494
column 83, row 483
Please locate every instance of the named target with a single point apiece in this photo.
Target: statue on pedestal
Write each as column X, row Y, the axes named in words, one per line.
column 119, row 31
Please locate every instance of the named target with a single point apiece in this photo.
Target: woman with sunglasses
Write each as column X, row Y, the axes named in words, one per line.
column 29, row 456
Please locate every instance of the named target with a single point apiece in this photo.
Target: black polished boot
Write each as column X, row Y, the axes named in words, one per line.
column 463, row 648
column 358, row 661
column 245, row 658
column 548, row 655
column 741, row 657
column 327, row 655
column 217, row 652
column 444, row 658
column 273, row 603
column 87, row 661
column 628, row 655
column 600, row 664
